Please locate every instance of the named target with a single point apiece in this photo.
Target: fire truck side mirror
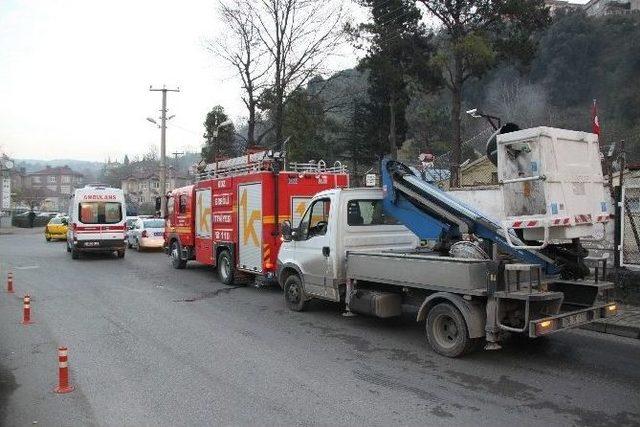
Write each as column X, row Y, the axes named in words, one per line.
column 285, row 229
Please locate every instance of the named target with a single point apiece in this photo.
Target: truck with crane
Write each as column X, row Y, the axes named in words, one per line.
column 412, row 247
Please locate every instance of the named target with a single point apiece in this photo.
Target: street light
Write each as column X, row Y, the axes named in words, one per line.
column 152, row 120
column 477, row 114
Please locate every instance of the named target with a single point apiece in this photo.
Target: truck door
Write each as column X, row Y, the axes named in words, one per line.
column 312, row 250
column 203, row 244
column 250, row 227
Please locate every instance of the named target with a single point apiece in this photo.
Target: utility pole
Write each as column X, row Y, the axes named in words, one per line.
column 163, row 147
column 175, row 158
column 175, row 162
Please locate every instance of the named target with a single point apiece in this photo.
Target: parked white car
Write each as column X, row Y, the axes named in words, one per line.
column 129, row 223
column 146, row 233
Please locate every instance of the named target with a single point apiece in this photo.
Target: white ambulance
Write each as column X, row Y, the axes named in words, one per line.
column 96, row 221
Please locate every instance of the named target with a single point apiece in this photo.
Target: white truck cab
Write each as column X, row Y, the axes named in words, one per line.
column 335, row 222
column 96, row 221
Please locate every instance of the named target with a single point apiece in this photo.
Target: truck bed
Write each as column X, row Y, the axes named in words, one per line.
column 419, row 269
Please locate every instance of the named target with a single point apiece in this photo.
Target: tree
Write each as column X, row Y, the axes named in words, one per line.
column 298, row 36
column 475, row 35
column 240, row 47
column 399, row 53
column 30, row 196
column 219, row 141
column 306, row 124
column 152, row 153
column 126, row 160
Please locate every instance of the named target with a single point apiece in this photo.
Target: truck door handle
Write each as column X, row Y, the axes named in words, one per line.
column 326, row 251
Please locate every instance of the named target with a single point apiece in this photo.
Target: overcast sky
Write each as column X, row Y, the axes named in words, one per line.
column 75, row 76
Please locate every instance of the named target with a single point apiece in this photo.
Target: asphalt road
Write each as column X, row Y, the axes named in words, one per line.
column 149, row 345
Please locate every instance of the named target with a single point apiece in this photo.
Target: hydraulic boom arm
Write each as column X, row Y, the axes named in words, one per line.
column 431, row 214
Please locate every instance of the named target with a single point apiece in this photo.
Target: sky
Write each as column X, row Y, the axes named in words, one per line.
column 75, row 76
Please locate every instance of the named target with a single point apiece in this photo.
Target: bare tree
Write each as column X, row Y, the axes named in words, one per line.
column 31, row 196
column 518, row 101
column 241, row 47
column 298, row 36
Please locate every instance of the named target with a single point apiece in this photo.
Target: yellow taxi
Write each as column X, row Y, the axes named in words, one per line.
column 56, row 228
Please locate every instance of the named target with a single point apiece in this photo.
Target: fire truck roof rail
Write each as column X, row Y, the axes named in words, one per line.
column 319, row 166
column 254, row 163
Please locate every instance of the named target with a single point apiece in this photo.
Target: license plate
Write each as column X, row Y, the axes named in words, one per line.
column 88, row 244
column 574, row 319
column 158, row 233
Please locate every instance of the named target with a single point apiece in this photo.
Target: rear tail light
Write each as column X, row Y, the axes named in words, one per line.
column 610, row 310
column 144, row 233
column 545, row 327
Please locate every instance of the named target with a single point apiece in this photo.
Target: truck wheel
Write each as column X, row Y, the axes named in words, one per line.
column 176, row 261
column 74, row 253
column 225, row 268
column 294, row 295
column 447, row 331
column 121, row 254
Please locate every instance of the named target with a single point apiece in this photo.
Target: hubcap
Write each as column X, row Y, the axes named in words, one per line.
column 174, row 254
column 293, row 294
column 446, row 331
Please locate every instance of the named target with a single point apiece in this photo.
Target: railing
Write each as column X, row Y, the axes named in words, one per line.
column 314, row 167
column 215, row 170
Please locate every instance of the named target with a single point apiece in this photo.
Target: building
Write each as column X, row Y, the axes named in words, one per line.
column 57, row 184
column 611, row 7
column 479, row 172
column 556, row 5
column 6, row 168
column 142, row 188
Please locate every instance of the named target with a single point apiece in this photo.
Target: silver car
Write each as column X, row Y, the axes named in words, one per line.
column 146, row 233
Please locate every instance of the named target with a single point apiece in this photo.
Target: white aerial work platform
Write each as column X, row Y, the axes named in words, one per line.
column 551, row 183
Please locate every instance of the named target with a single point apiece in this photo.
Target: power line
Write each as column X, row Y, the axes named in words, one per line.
column 173, row 125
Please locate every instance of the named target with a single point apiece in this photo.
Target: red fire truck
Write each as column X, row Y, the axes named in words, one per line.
column 230, row 217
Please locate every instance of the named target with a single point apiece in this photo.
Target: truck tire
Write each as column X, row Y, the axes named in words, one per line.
column 176, row 261
column 121, row 253
column 447, row 331
column 75, row 254
column 294, row 295
column 225, row 268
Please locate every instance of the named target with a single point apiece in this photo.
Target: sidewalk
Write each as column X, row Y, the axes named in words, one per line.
column 20, row 230
column 625, row 324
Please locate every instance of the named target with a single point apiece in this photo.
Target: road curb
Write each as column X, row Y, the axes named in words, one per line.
column 614, row 329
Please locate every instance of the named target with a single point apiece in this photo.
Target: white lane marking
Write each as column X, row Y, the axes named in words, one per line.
column 26, row 267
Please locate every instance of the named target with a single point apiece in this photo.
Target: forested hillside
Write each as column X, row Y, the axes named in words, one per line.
column 579, row 58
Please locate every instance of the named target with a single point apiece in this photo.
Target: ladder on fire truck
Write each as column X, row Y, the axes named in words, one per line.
column 263, row 161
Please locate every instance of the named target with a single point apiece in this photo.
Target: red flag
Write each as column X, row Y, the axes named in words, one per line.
column 595, row 123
